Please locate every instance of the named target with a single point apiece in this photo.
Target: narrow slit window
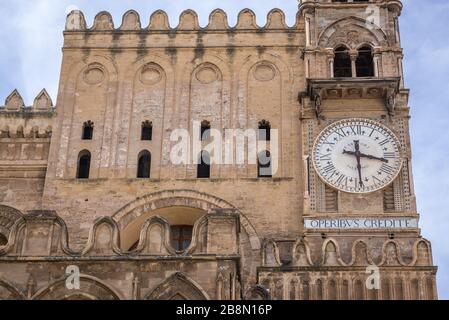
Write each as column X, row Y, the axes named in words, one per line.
column 205, row 131
column 264, row 169
column 203, row 170
column 264, row 131
column 147, row 131
column 144, row 165
column 83, row 169
column 88, row 130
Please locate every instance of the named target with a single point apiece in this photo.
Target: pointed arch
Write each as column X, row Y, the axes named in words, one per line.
column 178, row 286
column 301, row 253
column 14, row 102
column 257, row 292
column 350, row 30
column 422, row 253
column 391, row 254
column 145, row 245
column 90, row 286
column 96, row 247
column 8, row 216
column 270, row 254
column 360, row 254
column 42, row 101
column 8, row 291
column 331, row 253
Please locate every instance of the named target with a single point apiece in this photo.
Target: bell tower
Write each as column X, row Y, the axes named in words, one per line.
column 359, row 183
column 353, row 65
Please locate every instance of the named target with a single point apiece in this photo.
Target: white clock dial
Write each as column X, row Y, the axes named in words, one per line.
column 357, row 156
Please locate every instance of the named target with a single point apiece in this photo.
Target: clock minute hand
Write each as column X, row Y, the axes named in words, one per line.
column 362, row 155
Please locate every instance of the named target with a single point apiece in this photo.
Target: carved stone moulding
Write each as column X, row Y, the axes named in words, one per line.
column 264, row 72
column 94, row 74
column 207, row 74
column 151, row 74
column 353, row 88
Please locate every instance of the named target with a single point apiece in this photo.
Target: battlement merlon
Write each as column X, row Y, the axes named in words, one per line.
column 187, row 34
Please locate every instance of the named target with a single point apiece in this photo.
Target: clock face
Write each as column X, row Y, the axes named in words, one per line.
column 357, row 156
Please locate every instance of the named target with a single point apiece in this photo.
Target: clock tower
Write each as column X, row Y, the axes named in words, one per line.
column 356, row 151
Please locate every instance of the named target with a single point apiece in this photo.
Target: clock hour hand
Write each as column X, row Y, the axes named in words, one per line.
column 352, row 153
column 359, row 165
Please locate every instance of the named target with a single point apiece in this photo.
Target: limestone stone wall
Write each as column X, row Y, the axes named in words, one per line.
column 231, row 77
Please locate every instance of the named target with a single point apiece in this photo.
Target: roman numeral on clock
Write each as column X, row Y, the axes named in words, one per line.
column 326, row 157
column 376, row 180
column 341, row 133
column 384, row 142
column 357, row 130
column 329, row 168
column 342, row 178
column 389, row 155
column 386, row 169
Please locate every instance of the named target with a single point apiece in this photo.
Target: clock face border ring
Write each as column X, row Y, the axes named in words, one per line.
column 366, row 120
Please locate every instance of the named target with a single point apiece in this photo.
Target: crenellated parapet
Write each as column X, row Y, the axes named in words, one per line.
column 188, row 21
column 15, row 103
column 25, row 134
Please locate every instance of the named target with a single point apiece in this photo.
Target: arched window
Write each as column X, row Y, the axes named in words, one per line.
column 147, row 131
column 364, row 63
column 3, row 240
column 203, row 170
column 181, row 237
column 144, row 164
column 88, row 130
column 83, row 170
column 342, row 63
column 264, row 165
column 205, row 130
column 264, row 131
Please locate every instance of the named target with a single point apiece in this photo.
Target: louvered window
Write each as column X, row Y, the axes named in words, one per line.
column 389, row 199
column 331, row 199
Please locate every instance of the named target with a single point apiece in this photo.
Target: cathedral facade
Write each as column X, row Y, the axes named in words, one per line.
column 130, row 187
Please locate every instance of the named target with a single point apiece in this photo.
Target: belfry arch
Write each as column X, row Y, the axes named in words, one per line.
column 195, row 204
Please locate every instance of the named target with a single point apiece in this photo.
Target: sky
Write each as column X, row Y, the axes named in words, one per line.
column 30, row 59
